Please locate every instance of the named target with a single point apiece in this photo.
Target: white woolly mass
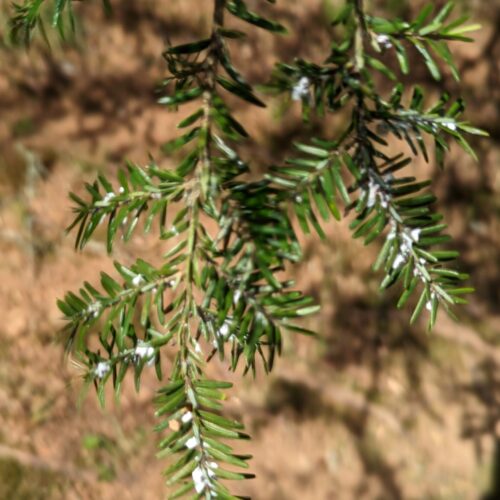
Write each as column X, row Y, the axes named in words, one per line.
column 451, row 125
column 224, row 329
column 200, row 479
column 409, row 237
column 301, row 89
column 202, row 476
column 187, row 417
column 94, row 309
column 415, row 234
column 236, row 297
column 418, row 273
column 145, row 351
column 102, row 369
column 108, row 197
column 384, row 41
column 407, row 241
column 137, row 280
column 373, row 190
column 192, row 442
column 428, row 305
column 398, row 261
column 393, row 232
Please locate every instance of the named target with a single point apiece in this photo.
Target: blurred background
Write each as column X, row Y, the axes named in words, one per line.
column 374, row 409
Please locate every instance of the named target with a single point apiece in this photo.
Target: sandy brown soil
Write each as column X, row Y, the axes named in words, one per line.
column 373, row 410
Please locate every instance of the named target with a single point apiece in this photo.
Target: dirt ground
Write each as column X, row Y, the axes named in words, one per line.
column 372, row 410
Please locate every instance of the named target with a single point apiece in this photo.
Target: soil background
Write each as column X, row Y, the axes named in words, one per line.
column 374, row 409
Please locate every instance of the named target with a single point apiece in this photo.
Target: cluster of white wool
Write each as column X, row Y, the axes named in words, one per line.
column 408, row 238
column 449, row 124
column 394, row 230
column 301, row 89
column 384, row 41
column 144, row 351
column 417, row 272
column 376, row 192
column 187, row 417
column 223, row 332
column 94, row 309
column 433, row 123
column 236, row 297
column 428, row 305
column 192, row 443
column 204, row 473
column 138, row 280
column 197, row 348
column 202, row 477
column 108, row 197
column 101, row 369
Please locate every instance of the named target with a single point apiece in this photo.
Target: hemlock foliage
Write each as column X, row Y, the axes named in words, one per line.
column 220, row 292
